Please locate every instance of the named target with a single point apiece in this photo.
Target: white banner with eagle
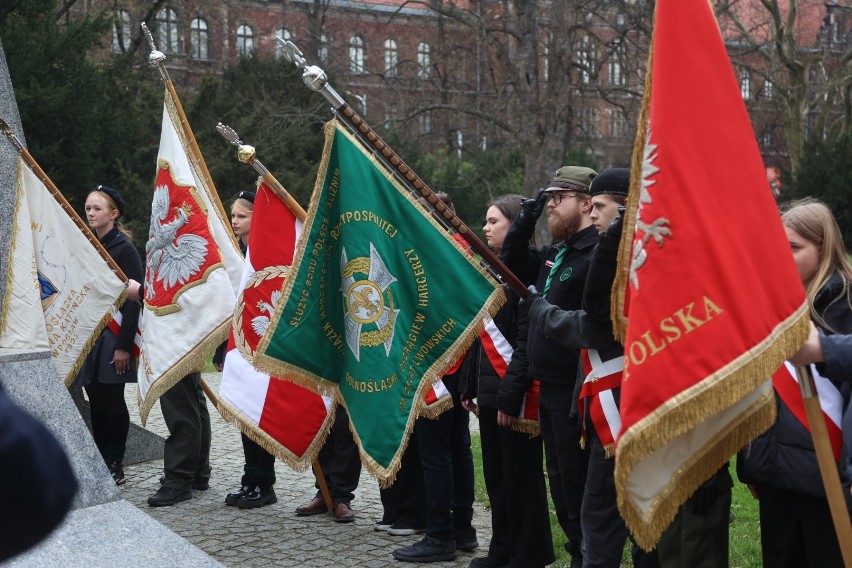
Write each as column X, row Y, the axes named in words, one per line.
column 193, row 267
column 59, row 290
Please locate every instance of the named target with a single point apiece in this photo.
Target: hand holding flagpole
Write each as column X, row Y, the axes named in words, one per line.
column 316, row 80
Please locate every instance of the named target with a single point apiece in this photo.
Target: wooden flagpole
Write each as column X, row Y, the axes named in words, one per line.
column 57, row 195
column 316, row 80
column 248, row 155
column 827, row 465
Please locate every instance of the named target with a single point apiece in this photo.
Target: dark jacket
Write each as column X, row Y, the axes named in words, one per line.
column 838, row 367
column 127, row 258
column 488, row 380
column 784, row 456
column 536, row 355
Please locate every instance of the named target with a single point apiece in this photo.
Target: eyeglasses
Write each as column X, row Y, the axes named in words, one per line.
column 558, row 196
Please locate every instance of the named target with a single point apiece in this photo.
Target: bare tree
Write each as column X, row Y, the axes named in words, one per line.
column 801, row 52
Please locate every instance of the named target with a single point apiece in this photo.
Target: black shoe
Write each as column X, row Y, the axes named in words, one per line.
column 167, row 496
column 257, row 497
column 486, row 562
column 466, row 539
column 401, row 529
column 430, row 549
column 232, row 498
column 116, row 470
column 201, row 484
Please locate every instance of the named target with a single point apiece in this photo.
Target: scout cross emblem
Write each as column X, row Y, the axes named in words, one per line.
column 369, row 302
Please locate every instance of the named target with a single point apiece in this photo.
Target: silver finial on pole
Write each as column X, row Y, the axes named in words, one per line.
column 245, row 153
column 313, row 76
column 156, row 58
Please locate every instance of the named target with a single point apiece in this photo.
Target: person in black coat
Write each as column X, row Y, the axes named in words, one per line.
column 559, row 272
column 30, row 509
column 511, row 459
column 780, row 466
column 112, row 361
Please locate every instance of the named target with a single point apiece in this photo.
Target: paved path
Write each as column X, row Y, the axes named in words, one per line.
column 272, row 535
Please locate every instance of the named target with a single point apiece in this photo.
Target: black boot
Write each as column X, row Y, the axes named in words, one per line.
column 257, row 497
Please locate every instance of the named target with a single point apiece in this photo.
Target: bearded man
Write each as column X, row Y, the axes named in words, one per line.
column 559, row 273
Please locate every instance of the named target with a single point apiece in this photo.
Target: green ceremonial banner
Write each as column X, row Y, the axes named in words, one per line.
column 379, row 302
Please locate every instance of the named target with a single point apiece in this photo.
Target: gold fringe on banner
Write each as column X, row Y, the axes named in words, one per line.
column 273, row 446
column 192, row 362
column 715, row 394
column 531, row 428
column 92, row 339
column 621, row 284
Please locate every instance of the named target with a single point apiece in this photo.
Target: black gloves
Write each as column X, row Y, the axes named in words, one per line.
column 531, row 210
column 614, row 229
column 525, row 303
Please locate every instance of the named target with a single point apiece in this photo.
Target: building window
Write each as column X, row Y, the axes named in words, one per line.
column 245, row 40
column 391, row 58
column 767, row 90
column 322, row 52
column 425, row 120
column 617, row 124
column 356, row 55
column 767, row 139
column 589, row 121
column 198, row 39
column 545, row 68
column 584, row 60
column 616, row 63
column 745, row 85
column 167, row 30
column 121, row 31
column 424, row 63
column 284, row 34
column 391, row 114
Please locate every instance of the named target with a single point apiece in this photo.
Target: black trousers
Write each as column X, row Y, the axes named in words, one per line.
column 110, row 419
column 447, row 471
column 520, row 522
column 186, row 453
column 566, row 462
column 339, row 460
column 404, row 502
column 796, row 530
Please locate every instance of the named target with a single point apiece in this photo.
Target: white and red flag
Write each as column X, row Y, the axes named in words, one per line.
column 60, row 289
column 288, row 420
column 193, row 266
column 714, row 301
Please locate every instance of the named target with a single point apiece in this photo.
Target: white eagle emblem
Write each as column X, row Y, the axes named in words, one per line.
column 656, row 230
column 171, row 259
column 260, row 323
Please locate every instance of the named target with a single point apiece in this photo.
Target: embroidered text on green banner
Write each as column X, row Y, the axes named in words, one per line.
column 379, row 303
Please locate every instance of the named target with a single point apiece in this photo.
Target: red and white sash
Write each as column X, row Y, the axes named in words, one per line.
column 786, row 384
column 114, row 326
column 499, row 352
column 601, row 378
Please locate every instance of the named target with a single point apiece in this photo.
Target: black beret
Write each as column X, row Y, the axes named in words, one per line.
column 614, row 181
column 247, row 195
column 114, row 195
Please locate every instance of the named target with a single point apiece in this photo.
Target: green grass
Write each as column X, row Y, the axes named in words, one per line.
column 744, row 531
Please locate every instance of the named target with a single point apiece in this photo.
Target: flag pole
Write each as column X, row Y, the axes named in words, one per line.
column 248, row 155
column 57, row 195
column 156, row 59
column 316, row 80
column 827, row 465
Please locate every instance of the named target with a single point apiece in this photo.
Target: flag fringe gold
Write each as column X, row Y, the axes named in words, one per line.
column 433, row 411
column 681, row 413
column 646, row 529
column 297, row 463
column 621, row 284
column 531, row 428
column 93, row 338
column 192, row 362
